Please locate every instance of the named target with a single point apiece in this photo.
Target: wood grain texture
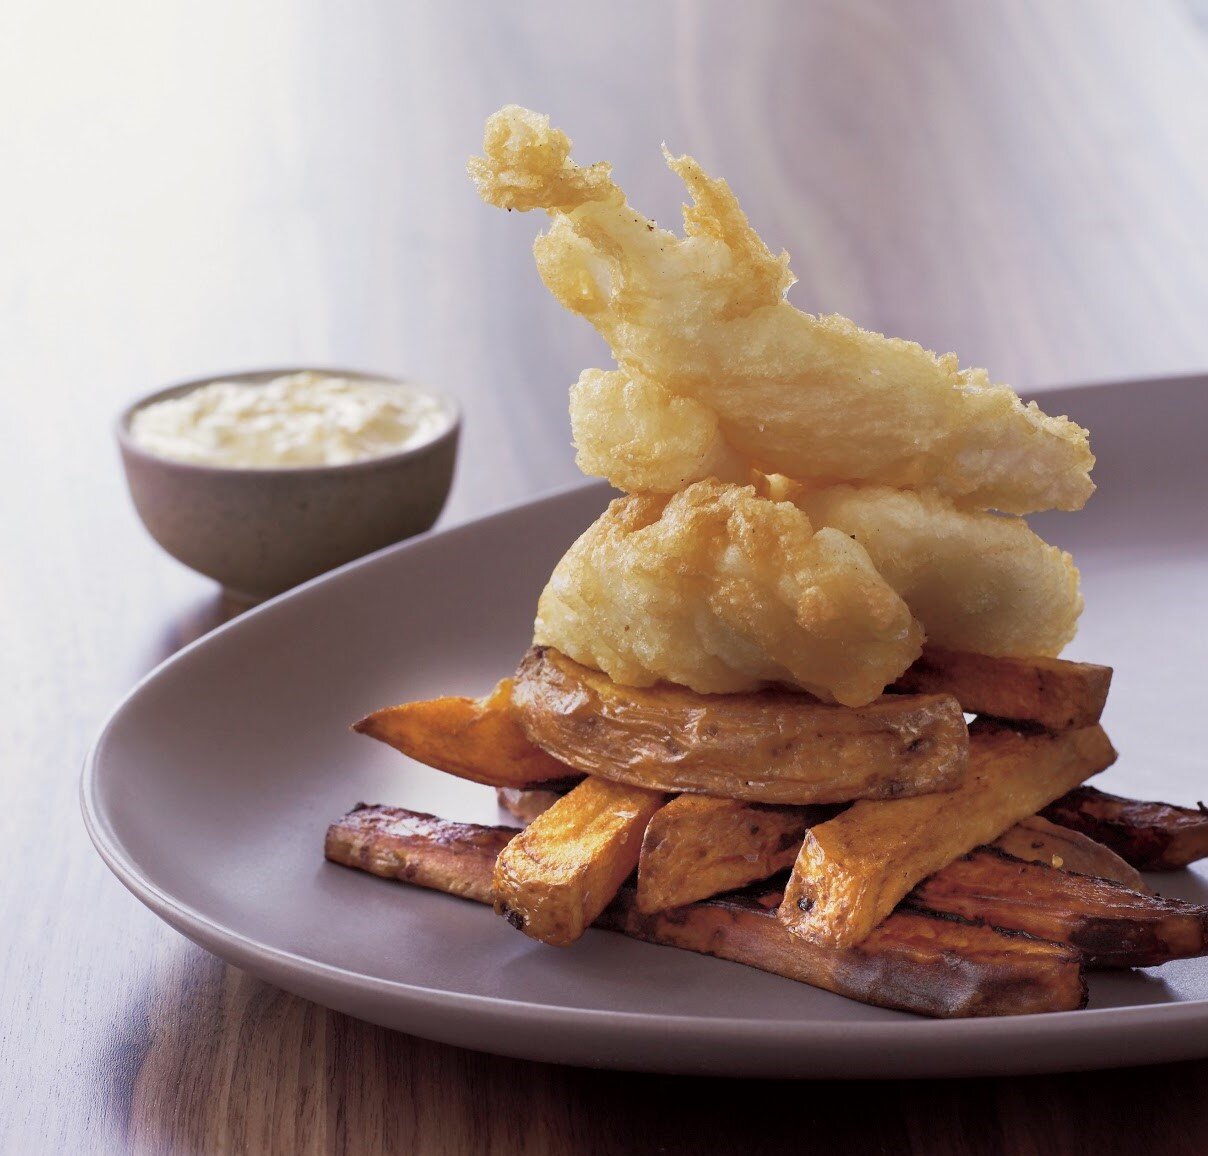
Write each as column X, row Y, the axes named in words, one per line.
column 194, row 188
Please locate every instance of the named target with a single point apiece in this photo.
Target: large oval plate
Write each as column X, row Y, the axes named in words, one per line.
column 210, row 787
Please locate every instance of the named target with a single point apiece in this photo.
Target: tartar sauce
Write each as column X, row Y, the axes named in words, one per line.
column 302, row 419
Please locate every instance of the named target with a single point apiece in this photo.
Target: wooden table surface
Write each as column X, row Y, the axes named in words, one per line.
column 186, row 189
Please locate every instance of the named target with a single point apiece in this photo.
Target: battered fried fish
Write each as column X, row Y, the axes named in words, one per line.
column 703, row 317
column 976, row 581
column 719, row 589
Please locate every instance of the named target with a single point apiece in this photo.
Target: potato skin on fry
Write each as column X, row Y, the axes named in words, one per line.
column 476, row 739
column 854, row 869
column 1056, row 694
column 913, row 962
column 721, row 590
column 555, row 877
column 697, row 846
column 769, row 747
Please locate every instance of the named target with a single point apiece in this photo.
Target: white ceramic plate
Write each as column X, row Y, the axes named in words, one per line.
column 210, row 787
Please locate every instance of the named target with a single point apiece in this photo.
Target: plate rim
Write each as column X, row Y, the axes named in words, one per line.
column 852, row 1039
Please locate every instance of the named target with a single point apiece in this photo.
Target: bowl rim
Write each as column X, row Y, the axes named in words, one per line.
column 126, row 443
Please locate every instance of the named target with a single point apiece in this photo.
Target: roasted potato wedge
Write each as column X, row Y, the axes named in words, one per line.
column 1056, row 694
column 697, row 846
column 1036, row 840
column 472, row 738
column 1150, row 836
column 854, row 869
column 768, row 747
column 555, row 877
column 1111, row 925
column 913, row 962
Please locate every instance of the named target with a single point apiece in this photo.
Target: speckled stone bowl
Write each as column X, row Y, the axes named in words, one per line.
column 260, row 531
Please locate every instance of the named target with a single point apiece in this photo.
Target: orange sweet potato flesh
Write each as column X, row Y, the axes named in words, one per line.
column 855, row 868
column 1052, row 692
column 697, row 846
column 914, row 962
column 555, row 877
column 1112, row 925
column 473, row 738
column 1150, row 836
column 769, row 747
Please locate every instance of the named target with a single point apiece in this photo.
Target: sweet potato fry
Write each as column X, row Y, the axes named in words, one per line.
column 526, row 803
column 1150, row 836
column 555, row 877
column 913, row 962
column 458, row 858
column 768, row 747
column 1111, row 925
column 1056, row 694
column 473, row 738
column 697, row 846
column 854, row 869
column 1036, row 840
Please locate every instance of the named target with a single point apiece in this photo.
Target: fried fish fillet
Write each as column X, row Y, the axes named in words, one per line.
column 704, row 317
column 976, row 581
column 721, row 590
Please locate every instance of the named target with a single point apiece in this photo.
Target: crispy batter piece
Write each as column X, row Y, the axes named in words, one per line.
column 854, row 869
column 704, row 317
column 768, row 747
column 697, row 846
column 721, row 590
column 913, row 962
column 555, row 877
column 1150, row 836
column 472, row 738
column 1036, row 840
column 1111, row 925
column 975, row 581
column 1056, row 694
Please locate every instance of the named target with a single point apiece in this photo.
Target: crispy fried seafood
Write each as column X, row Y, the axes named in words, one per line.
column 703, row 317
column 719, row 589
column 976, row 581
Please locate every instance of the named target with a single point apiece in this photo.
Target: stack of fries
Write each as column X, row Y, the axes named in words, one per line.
column 987, row 898
column 729, row 735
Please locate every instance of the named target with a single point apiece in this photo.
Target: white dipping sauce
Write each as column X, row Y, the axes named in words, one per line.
column 302, row 419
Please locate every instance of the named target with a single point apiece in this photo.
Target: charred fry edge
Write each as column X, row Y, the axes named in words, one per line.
column 1111, row 925
column 1052, row 692
column 915, row 962
column 1150, row 836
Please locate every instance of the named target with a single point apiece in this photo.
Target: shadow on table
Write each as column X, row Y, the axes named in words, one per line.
column 229, row 1063
column 195, row 622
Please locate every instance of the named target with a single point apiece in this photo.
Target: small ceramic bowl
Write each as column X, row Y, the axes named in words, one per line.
column 260, row 531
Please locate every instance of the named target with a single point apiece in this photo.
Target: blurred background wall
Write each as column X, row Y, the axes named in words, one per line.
column 189, row 188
